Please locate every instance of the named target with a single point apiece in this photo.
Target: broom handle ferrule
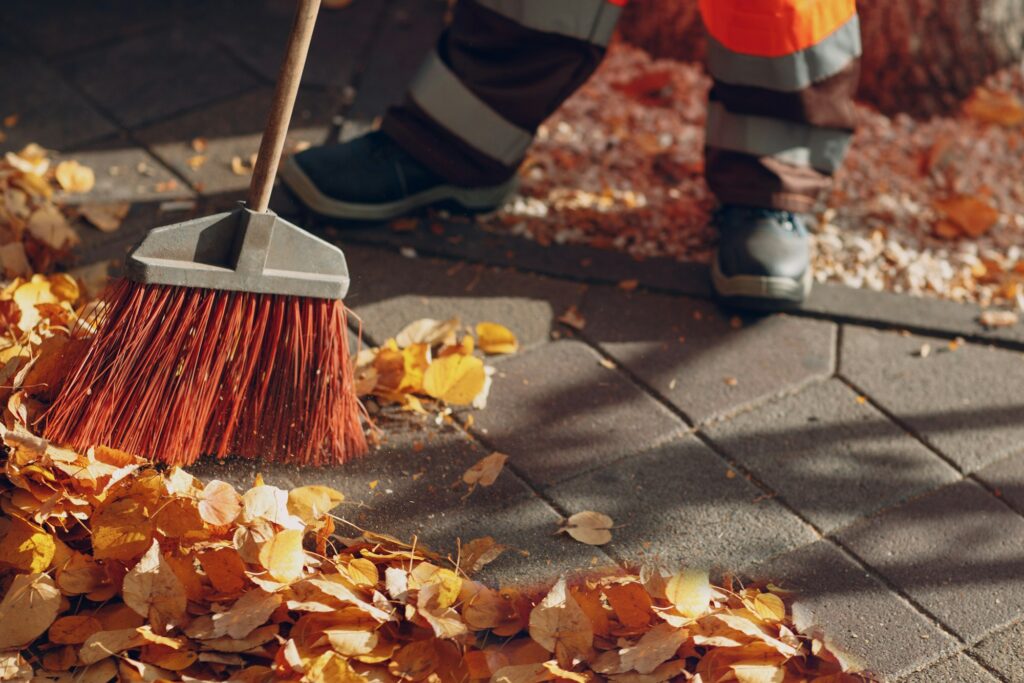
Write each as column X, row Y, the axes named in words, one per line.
column 282, row 105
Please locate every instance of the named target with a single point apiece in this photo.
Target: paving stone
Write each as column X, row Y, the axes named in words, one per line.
column 956, row 552
column 1006, row 477
column 678, row 504
column 389, row 292
column 257, row 32
column 232, row 129
column 829, row 456
column 124, row 172
column 703, row 359
column 152, row 76
column 966, row 403
column 413, row 24
column 958, row 669
column 871, row 627
column 557, row 412
column 414, row 495
column 50, row 112
column 1004, row 652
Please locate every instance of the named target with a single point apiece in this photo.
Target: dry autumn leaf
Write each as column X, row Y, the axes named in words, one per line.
column 972, row 215
column 494, row 339
column 560, row 626
column 993, row 318
column 105, row 217
column 219, row 503
column 689, row 591
column 153, row 590
column 74, row 177
column 485, row 472
column 29, row 607
column 312, row 503
column 455, row 379
column 282, row 556
column 999, row 107
column 592, row 528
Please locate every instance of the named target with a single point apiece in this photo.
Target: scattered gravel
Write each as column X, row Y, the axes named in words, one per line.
column 619, row 166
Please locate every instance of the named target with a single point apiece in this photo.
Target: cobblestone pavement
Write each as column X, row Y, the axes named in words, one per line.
column 885, row 484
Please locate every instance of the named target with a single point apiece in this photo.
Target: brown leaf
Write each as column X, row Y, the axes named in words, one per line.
column 972, row 215
column 105, row 217
column 999, row 107
column 560, row 626
column 592, row 528
column 249, row 611
column 153, row 590
column 74, row 630
column 29, row 608
column 478, row 553
column 485, row 472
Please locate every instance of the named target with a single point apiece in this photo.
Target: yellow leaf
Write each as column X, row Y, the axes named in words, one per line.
column 28, row 295
column 351, row 643
column 560, row 626
column 26, row 548
column 486, row 470
column 283, row 556
column 121, row 530
column 689, row 592
column 496, row 339
column 768, row 606
column 29, row 607
column 219, row 503
column 758, row 672
column 592, row 528
column 74, row 630
column 311, row 503
column 455, row 379
column 74, row 177
column 331, row 668
column 153, row 590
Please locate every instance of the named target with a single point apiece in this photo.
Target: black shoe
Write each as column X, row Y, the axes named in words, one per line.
column 763, row 258
column 372, row 178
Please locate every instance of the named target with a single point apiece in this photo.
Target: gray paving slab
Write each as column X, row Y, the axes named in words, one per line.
column 414, row 25
column 124, row 172
column 557, row 412
column 958, row 552
column 390, row 291
column 705, row 360
column 680, row 504
column 50, row 112
column 1004, row 652
column 967, row 403
column 406, row 488
column 257, row 32
column 1006, row 477
column 230, row 129
column 957, row 669
column 830, row 456
column 155, row 75
column 869, row 626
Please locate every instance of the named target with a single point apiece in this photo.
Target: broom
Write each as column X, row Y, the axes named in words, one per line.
column 227, row 334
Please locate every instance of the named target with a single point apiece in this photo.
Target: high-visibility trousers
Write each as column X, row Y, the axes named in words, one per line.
column 780, row 114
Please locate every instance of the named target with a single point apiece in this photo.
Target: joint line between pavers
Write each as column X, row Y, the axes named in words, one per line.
column 995, row 673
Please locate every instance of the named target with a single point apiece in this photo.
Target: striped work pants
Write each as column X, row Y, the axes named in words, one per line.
column 780, row 114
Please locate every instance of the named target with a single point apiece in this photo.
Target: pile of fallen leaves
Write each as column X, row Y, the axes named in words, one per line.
column 112, row 568
column 433, row 359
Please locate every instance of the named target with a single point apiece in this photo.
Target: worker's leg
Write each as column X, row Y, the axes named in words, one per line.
column 499, row 70
column 780, row 118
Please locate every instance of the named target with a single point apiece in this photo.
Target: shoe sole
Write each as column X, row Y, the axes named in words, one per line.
column 761, row 292
column 471, row 199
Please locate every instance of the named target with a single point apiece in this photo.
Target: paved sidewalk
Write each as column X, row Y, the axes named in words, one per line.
column 885, row 483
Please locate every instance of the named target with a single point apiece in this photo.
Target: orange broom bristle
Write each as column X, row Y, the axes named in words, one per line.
column 174, row 374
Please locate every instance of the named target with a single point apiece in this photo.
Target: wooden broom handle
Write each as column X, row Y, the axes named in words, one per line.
column 281, row 107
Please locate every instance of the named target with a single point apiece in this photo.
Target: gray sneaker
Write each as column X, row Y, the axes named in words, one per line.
column 372, row 178
column 763, row 258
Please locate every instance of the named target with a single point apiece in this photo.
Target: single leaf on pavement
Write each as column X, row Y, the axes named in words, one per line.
column 486, row 470
column 494, row 338
column 592, row 528
column 105, row 217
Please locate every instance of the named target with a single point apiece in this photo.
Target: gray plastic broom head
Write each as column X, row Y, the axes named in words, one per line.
column 241, row 251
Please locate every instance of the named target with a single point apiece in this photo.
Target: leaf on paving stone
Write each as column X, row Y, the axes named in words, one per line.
column 427, row 331
column 105, row 217
column 689, row 591
column 29, row 608
column 153, row 590
column 103, row 644
column 560, row 626
column 75, row 177
column 478, row 553
column 455, row 379
column 993, row 318
column 573, row 318
column 974, row 216
column 219, row 503
column 312, row 503
column 196, row 161
column 26, row 548
column 494, row 339
column 249, row 611
column 485, row 472
column 592, row 528
column 653, row 649
column 995, row 106
column 283, row 556
column 74, row 629
column 48, row 225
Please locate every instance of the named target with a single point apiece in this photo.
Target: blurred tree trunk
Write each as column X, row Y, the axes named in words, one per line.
column 920, row 56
